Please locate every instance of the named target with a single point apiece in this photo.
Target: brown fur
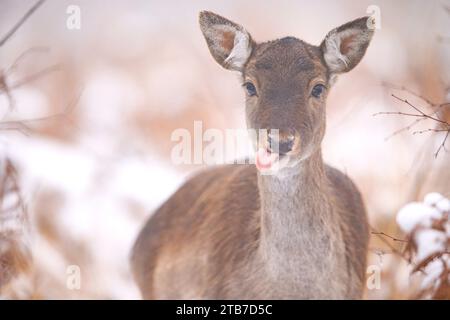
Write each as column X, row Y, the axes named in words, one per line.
column 230, row 232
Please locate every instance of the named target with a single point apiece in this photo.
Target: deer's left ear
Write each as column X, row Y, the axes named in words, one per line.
column 344, row 47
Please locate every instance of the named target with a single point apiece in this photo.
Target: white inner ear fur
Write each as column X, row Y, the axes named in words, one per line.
column 239, row 54
column 241, row 51
column 336, row 61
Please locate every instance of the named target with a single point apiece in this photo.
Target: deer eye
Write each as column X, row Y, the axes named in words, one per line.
column 250, row 87
column 317, row 90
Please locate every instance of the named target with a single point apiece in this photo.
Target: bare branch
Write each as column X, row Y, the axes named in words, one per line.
column 442, row 145
column 5, row 88
column 407, row 128
column 429, row 130
column 15, row 126
column 23, row 125
column 421, row 113
column 34, row 76
column 420, row 116
column 23, row 55
column 398, row 113
column 13, row 30
column 383, row 239
column 417, row 95
column 390, row 237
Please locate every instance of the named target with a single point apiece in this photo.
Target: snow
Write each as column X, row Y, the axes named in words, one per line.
column 433, row 198
column 429, row 242
column 433, row 270
column 104, row 200
column 57, row 165
column 443, row 205
column 28, row 103
column 428, row 227
column 437, row 200
column 415, row 214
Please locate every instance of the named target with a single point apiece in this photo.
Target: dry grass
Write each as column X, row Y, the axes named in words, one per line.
column 15, row 256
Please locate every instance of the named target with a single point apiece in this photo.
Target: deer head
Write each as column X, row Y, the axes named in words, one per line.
column 286, row 82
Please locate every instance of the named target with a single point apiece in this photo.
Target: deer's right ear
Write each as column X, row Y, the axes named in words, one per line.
column 229, row 43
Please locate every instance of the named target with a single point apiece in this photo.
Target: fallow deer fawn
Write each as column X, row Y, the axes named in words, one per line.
column 236, row 232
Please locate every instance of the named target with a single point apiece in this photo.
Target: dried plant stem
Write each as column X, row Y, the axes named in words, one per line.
column 19, row 23
column 442, row 125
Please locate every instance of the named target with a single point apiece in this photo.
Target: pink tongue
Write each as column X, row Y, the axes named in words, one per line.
column 264, row 159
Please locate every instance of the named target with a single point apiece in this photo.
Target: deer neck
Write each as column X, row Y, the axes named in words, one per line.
column 295, row 204
column 299, row 231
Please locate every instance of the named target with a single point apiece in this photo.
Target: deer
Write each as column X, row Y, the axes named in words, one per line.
column 248, row 231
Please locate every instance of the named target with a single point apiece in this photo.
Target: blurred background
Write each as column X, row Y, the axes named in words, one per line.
column 88, row 113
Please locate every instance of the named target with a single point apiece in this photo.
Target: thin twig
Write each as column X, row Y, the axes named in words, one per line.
column 5, row 88
column 390, row 237
column 407, row 128
column 394, row 250
column 398, row 113
column 429, row 130
column 442, row 145
column 15, row 126
column 68, row 110
column 23, row 125
column 13, row 30
column 23, row 55
column 417, row 95
column 34, row 76
column 420, row 115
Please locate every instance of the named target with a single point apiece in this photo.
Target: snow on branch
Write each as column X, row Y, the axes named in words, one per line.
column 427, row 225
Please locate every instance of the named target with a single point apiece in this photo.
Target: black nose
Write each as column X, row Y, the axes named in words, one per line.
column 281, row 143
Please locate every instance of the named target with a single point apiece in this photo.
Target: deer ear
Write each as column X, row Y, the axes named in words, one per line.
column 344, row 47
column 229, row 43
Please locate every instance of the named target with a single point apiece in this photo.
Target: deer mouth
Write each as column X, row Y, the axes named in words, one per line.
column 268, row 162
column 266, row 159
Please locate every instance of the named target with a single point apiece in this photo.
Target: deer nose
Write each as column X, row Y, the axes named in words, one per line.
column 282, row 142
